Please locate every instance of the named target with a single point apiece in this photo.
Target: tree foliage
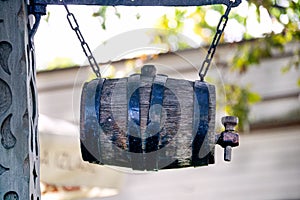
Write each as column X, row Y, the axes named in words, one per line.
column 282, row 18
column 60, row 62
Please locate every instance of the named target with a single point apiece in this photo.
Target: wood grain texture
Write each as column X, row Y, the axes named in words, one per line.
column 113, row 122
column 19, row 149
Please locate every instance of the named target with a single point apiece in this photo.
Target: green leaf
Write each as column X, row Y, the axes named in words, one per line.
column 117, row 13
column 47, row 17
column 103, row 26
column 60, row 62
column 101, row 13
column 253, row 97
column 138, row 16
column 238, row 18
column 286, row 69
column 218, row 8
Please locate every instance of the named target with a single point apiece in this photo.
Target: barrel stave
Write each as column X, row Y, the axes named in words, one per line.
column 113, row 117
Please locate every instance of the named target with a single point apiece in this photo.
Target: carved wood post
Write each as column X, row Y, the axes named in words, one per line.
column 19, row 146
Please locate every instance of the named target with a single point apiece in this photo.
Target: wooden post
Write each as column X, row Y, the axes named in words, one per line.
column 19, row 146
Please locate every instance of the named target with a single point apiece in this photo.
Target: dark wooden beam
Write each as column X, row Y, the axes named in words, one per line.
column 140, row 2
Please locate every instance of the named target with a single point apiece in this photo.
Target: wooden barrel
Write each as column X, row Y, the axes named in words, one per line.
column 148, row 122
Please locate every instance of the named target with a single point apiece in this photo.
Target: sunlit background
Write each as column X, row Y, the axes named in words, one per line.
column 61, row 42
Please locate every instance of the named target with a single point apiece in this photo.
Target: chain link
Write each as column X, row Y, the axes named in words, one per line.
column 85, row 47
column 205, row 65
column 212, row 49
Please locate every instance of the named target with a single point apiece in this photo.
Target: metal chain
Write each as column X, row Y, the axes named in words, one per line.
column 85, row 47
column 212, row 49
column 205, row 65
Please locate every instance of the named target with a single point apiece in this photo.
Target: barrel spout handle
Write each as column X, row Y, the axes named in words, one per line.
column 228, row 138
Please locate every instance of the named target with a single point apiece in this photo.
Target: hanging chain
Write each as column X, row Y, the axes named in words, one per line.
column 212, row 49
column 85, row 47
column 205, row 65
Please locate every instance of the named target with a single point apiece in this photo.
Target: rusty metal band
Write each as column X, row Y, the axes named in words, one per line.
column 133, row 123
column 201, row 115
column 89, row 126
column 154, row 122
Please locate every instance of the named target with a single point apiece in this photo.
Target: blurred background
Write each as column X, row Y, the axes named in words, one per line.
column 255, row 70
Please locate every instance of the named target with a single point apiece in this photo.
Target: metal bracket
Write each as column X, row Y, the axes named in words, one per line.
column 37, row 10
